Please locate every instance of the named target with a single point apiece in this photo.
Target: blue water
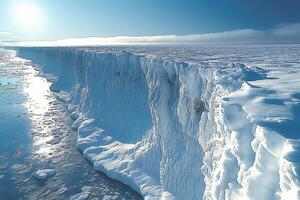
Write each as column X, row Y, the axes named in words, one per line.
column 35, row 134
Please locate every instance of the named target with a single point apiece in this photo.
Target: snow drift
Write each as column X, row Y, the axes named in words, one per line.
column 175, row 130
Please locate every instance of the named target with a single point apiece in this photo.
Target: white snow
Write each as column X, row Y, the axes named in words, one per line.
column 185, row 122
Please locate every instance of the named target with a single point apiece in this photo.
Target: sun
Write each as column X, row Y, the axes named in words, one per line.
column 27, row 14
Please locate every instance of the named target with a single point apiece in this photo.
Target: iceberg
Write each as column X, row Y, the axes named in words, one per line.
column 184, row 122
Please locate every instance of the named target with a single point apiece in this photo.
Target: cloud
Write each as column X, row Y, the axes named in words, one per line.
column 284, row 33
column 7, row 34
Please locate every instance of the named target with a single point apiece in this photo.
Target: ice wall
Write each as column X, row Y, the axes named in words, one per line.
column 171, row 130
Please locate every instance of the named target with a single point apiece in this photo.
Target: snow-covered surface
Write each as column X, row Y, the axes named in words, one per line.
column 185, row 122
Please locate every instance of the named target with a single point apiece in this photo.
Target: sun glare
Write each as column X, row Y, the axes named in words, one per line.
column 27, row 14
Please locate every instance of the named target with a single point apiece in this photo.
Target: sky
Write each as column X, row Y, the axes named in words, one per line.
column 152, row 21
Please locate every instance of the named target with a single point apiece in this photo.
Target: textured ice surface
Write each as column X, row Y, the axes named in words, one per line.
column 185, row 122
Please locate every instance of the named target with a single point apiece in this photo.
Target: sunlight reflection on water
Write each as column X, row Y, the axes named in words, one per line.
column 37, row 91
column 38, row 103
column 50, row 142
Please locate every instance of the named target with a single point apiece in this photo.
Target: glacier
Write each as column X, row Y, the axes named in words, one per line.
column 184, row 122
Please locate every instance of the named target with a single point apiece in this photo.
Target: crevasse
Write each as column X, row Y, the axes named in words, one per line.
column 171, row 130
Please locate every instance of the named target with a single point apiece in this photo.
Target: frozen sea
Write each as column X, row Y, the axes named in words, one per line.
column 38, row 154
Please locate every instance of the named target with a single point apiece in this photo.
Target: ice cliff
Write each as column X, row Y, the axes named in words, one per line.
column 183, row 130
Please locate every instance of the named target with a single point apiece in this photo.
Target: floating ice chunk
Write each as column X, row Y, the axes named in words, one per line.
column 53, row 141
column 20, row 168
column 61, row 190
column 86, row 190
column 42, row 174
column 80, row 196
column 110, row 197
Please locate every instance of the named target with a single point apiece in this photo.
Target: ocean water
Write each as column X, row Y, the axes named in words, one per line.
column 36, row 134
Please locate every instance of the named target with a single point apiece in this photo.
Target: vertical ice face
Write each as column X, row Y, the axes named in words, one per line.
column 116, row 94
column 171, row 130
column 177, row 101
column 65, row 79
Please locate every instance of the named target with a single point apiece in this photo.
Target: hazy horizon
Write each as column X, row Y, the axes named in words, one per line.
column 119, row 22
